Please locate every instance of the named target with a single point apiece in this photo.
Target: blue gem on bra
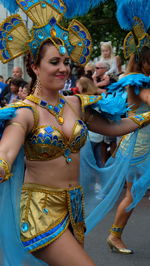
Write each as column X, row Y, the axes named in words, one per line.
column 49, row 129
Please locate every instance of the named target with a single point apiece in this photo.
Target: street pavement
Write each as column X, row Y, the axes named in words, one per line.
column 136, row 235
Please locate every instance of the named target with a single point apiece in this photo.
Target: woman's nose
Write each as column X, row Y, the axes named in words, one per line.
column 62, row 67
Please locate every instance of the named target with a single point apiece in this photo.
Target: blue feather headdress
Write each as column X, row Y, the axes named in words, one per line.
column 74, row 8
column 128, row 9
column 80, row 7
column 134, row 15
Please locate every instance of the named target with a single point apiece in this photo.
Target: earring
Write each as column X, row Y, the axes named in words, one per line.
column 38, row 87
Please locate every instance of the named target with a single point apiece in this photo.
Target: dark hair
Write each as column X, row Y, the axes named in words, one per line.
column 1, row 77
column 144, row 57
column 137, row 60
column 17, row 82
column 8, row 79
column 30, row 60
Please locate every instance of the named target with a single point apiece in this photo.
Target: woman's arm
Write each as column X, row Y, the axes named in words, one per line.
column 145, row 96
column 103, row 126
column 12, row 139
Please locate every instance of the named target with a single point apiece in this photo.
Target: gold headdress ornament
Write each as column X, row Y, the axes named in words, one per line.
column 15, row 39
column 136, row 39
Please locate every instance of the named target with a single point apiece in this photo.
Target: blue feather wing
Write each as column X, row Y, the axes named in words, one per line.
column 136, row 80
column 113, row 105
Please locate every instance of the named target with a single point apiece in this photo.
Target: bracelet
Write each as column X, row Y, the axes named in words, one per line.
column 141, row 119
column 5, row 166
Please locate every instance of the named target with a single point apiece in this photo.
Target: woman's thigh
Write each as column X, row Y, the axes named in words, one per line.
column 65, row 251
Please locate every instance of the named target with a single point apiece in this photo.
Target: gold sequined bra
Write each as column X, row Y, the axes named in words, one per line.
column 47, row 142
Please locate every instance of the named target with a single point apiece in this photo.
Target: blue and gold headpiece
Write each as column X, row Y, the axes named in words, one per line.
column 15, row 39
column 133, row 15
column 136, row 39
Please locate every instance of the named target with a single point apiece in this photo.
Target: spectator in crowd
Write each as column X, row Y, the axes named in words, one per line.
column 86, row 86
column 108, row 56
column 100, row 78
column 89, row 70
column 23, row 92
column 17, row 72
column 12, row 96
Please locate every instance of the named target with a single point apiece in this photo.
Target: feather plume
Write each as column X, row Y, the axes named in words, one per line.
column 74, row 8
column 138, row 81
column 10, row 5
column 128, row 9
column 80, row 7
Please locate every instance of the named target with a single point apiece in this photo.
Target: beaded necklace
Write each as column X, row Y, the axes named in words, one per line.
column 55, row 110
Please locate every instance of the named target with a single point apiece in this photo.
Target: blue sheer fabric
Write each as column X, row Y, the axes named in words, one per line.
column 12, row 251
column 102, row 186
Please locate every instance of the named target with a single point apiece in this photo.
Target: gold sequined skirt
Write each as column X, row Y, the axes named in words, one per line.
column 47, row 212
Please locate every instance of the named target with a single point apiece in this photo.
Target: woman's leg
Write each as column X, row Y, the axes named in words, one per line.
column 65, row 251
column 121, row 219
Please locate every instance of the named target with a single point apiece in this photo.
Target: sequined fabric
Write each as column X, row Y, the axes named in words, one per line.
column 48, row 142
column 47, row 212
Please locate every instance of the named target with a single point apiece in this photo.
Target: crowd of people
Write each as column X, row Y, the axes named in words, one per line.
column 45, row 124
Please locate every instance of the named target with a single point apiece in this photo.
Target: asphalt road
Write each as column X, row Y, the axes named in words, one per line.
column 136, row 236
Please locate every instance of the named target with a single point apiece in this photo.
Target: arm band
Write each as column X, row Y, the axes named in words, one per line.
column 5, row 166
column 17, row 124
column 141, row 119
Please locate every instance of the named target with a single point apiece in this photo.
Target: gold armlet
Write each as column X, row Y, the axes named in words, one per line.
column 6, row 168
column 141, row 119
column 17, row 124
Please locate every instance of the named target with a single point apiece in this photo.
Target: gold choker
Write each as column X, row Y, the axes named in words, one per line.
column 56, row 110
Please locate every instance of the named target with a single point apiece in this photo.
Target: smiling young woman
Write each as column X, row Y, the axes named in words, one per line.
column 42, row 207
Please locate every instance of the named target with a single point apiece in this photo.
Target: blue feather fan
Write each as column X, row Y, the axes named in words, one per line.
column 74, row 8
column 127, row 9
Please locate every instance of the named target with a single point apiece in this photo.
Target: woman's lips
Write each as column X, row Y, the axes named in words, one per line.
column 61, row 76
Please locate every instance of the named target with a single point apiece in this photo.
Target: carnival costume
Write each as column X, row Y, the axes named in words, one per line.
column 44, row 213
column 132, row 159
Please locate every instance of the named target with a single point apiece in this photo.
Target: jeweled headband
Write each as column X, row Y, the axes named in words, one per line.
column 15, row 39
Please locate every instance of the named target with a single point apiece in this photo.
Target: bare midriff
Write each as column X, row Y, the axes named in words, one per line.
column 54, row 173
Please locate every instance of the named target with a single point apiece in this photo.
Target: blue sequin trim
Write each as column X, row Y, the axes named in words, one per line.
column 46, row 237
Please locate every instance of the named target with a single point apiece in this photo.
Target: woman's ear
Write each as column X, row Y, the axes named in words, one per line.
column 35, row 69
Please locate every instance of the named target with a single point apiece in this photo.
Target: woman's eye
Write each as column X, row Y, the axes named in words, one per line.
column 54, row 62
column 67, row 62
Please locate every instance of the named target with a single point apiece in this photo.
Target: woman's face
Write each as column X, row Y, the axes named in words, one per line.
column 54, row 69
column 106, row 52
